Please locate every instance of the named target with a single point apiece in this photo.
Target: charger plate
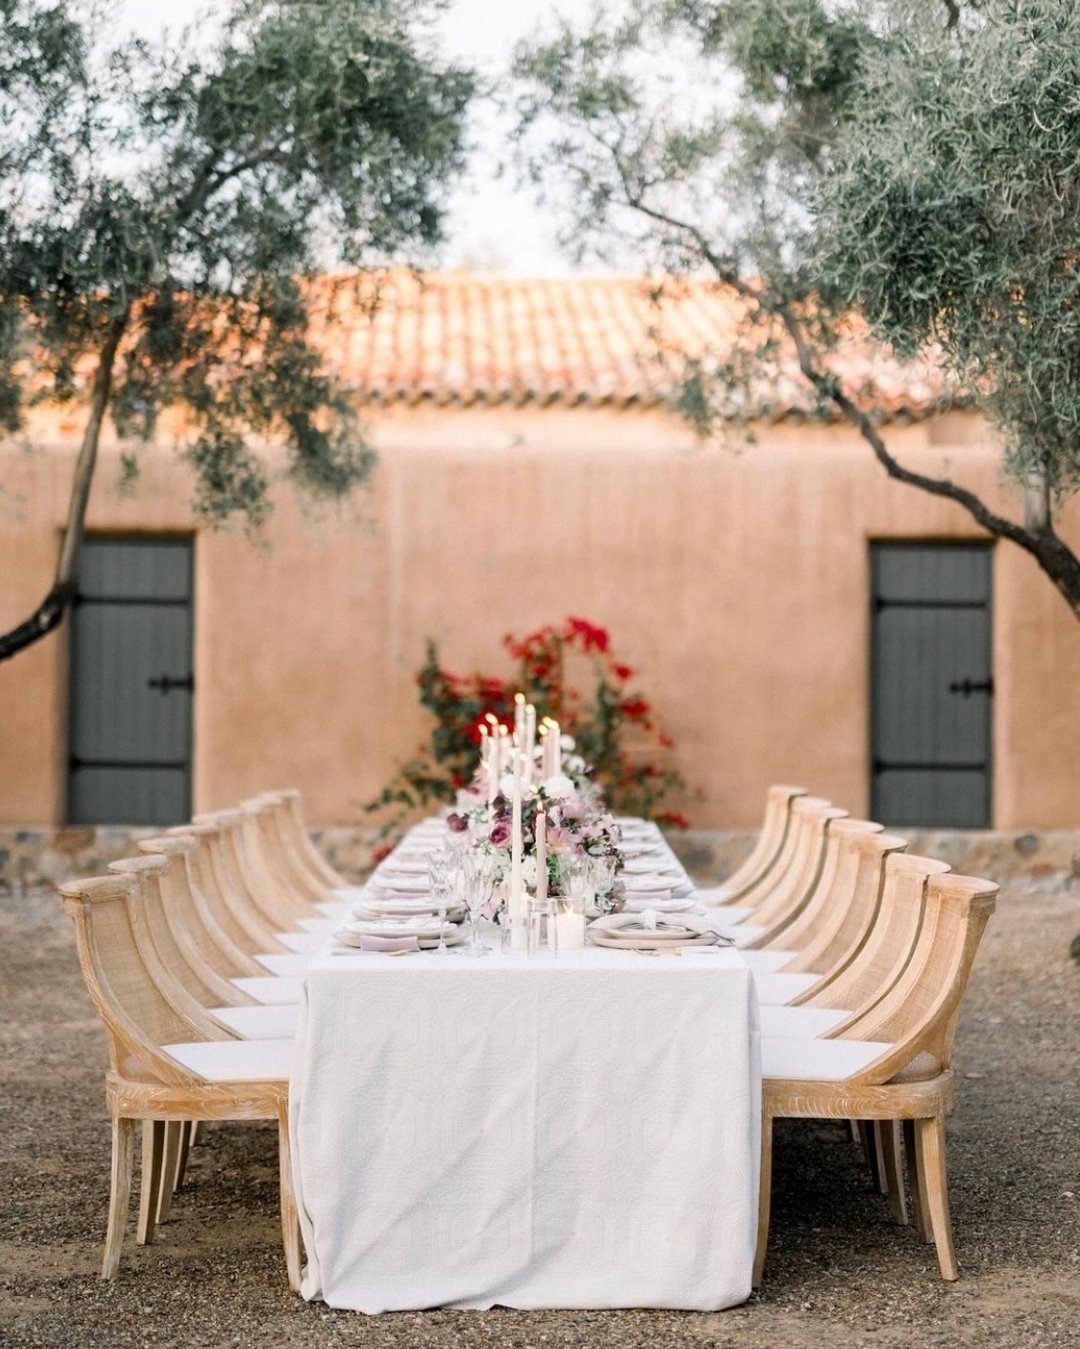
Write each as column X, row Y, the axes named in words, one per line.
column 650, row 941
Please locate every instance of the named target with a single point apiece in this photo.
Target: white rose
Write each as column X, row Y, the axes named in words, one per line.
column 558, row 787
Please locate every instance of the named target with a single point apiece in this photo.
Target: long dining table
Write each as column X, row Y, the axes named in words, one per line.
column 573, row 1132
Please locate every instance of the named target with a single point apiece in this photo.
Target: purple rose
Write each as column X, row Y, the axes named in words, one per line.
column 457, row 824
column 500, row 835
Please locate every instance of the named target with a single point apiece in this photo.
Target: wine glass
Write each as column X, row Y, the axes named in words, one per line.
column 480, row 873
column 602, row 880
column 440, row 866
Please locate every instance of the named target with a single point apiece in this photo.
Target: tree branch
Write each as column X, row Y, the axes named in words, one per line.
column 1040, row 540
column 50, row 612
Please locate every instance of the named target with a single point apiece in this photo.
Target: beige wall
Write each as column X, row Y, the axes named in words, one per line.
column 736, row 582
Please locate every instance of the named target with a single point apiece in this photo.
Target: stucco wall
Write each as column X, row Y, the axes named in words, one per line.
column 737, row 583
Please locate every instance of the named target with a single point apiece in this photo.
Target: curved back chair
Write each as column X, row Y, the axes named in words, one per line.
column 846, row 925
column 282, row 853
column 162, row 956
column 292, row 818
column 883, row 958
column 254, row 904
column 895, row 1063
column 811, row 818
column 156, row 1072
column 810, row 895
column 834, row 888
column 246, row 924
column 766, row 850
column 789, row 857
column 207, row 948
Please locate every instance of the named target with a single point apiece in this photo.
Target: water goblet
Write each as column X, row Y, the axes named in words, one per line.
column 440, row 869
column 480, row 873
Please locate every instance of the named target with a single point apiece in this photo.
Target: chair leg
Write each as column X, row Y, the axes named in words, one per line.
column 123, row 1157
column 187, row 1133
column 764, row 1197
column 918, row 1184
column 175, row 1131
column 290, row 1220
column 930, row 1155
column 868, row 1139
column 892, row 1168
column 153, row 1157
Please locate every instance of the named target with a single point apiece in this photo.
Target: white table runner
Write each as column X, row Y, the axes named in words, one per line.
column 582, row 1132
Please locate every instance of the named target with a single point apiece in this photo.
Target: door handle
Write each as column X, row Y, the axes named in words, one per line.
column 166, row 682
column 968, row 686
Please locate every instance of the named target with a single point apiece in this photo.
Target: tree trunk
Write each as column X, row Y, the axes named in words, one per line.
column 50, row 612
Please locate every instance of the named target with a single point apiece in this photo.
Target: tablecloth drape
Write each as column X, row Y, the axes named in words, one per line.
column 581, row 1132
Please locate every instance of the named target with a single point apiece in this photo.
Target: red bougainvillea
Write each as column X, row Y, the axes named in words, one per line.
column 597, row 719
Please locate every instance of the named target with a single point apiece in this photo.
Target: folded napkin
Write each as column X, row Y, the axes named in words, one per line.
column 369, row 942
column 650, row 921
column 663, row 902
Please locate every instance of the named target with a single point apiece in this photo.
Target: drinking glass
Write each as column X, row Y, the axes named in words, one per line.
column 480, row 873
column 440, row 871
column 602, row 880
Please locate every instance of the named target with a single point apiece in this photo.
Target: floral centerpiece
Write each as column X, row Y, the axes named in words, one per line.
column 571, row 672
column 579, row 828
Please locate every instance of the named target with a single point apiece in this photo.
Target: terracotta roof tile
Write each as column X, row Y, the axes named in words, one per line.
column 465, row 338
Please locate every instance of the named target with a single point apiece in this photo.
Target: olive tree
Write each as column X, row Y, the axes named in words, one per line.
column 165, row 210
column 911, row 164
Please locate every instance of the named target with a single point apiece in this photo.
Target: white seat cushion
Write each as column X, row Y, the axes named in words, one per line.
column 346, row 894
column 808, row 1022
column 817, row 1060
column 235, row 1060
column 282, row 964
column 714, row 894
column 269, row 991
column 276, row 1022
column 301, row 942
column 767, row 961
column 727, row 913
column 781, row 988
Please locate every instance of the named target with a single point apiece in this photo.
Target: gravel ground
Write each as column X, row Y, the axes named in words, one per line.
column 839, row 1273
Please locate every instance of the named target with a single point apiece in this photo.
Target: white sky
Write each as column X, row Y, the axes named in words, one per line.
column 492, row 223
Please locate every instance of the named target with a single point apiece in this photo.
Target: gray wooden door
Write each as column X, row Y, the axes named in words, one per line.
column 131, row 683
column 932, row 684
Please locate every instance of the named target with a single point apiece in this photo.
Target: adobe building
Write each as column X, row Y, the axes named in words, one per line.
column 794, row 614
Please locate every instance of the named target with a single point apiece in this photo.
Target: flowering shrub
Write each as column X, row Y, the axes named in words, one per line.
column 598, row 718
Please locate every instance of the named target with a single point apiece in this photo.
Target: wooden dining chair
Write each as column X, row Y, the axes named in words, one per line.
column 895, row 1062
column 766, row 850
column 771, row 907
column 291, row 822
column 246, row 922
column 157, row 1071
column 283, row 857
column 215, row 958
column 835, row 888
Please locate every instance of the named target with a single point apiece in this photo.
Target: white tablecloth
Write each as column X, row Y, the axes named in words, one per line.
column 582, row 1132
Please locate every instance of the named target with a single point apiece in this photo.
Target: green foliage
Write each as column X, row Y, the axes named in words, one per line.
column 914, row 162
column 950, row 215
column 601, row 718
column 193, row 192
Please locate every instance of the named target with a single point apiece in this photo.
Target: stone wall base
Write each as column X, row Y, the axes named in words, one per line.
column 36, row 857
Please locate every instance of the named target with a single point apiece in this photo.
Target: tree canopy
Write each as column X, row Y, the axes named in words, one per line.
column 911, row 163
column 165, row 208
